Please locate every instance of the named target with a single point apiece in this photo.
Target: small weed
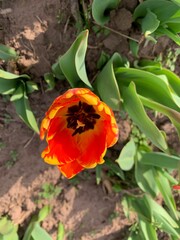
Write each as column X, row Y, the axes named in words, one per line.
column 2, row 145
column 113, row 215
column 49, row 191
column 13, row 159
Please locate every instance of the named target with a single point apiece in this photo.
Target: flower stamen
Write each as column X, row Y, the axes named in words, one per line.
column 81, row 117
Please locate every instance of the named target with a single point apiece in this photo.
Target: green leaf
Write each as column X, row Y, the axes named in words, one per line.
column 18, row 93
column 149, row 23
column 165, row 189
column 126, row 157
column 98, row 174
column 44, row 212
column 7, row 53
column 8, row 230
column 56, row 69
column 175, row 37
column 39, row 233
column 163, row 9
column 115, row 168
column 100, row 9
column 156, row 68
column 148, row 85
column 109, row 94
column 134, row 47
column 148, row 230
column 23, row 109
column 162, row 218
column 160, row 159
column 61, row 232
column 145, row 178
column 173, row 115
column 31, row 87
column 49, row 78
column 72, row 63
column 139, row 116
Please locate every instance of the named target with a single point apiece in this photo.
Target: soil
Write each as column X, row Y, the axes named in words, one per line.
column 40, row 31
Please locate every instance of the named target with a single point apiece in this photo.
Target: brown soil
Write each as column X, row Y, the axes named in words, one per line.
column 40, row 31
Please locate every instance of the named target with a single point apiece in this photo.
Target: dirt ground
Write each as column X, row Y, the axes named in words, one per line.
column 40, row 31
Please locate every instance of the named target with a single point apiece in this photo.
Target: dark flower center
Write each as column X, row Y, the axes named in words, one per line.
column 81, row 117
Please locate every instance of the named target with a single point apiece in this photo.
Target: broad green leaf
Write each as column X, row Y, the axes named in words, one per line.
column 100, row 9
column 140, row 206
column 165, row 189
column 49, row 78
column 157, row 69
column 162, row 218
column 18, row 93
column 72, row 63
column 148, row 230
column 127, row 155
column 163, row 9
column 7, row 53
column 175, row 37
column 9, row 81
column 136, row 111
column 145, row 178
column 136, row 235
column 173, row 24
column 160, row 159
column 149, row 23
column 61, row 232
column 8, row 230
column 173, row 115
column 106, row 84
column 39, row 233
column 115, row 168
column 23, row 109
column 148, row 85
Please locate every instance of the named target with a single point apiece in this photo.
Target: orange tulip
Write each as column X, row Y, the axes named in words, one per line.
column 176, row 187
column 79, row 128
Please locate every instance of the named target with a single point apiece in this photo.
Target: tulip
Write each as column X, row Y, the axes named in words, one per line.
column 79, row 128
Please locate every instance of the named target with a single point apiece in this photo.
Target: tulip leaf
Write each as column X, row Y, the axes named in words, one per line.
column 160, row 159
column 31, row 86
column 170, row 34
column 126, row 157
column 148, row 230
column 134, row 47
column 115, row 168
column 149, row 23
column 137, row 113
column 61, row 232
column 109, row 94
column 8, row 230
column 157, row 69
column 163, row 9
column 173, row 115
column 57, row 71
column 72, row 63
column 7, row 53
column 100, row 9
column 165, row 189
column 49, row 78
column 149, row 85
column 23, row 108
column 161, row 217
column 39, row 233
column 145, row 178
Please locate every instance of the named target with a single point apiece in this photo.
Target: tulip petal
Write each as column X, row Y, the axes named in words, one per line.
column 70, row 169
